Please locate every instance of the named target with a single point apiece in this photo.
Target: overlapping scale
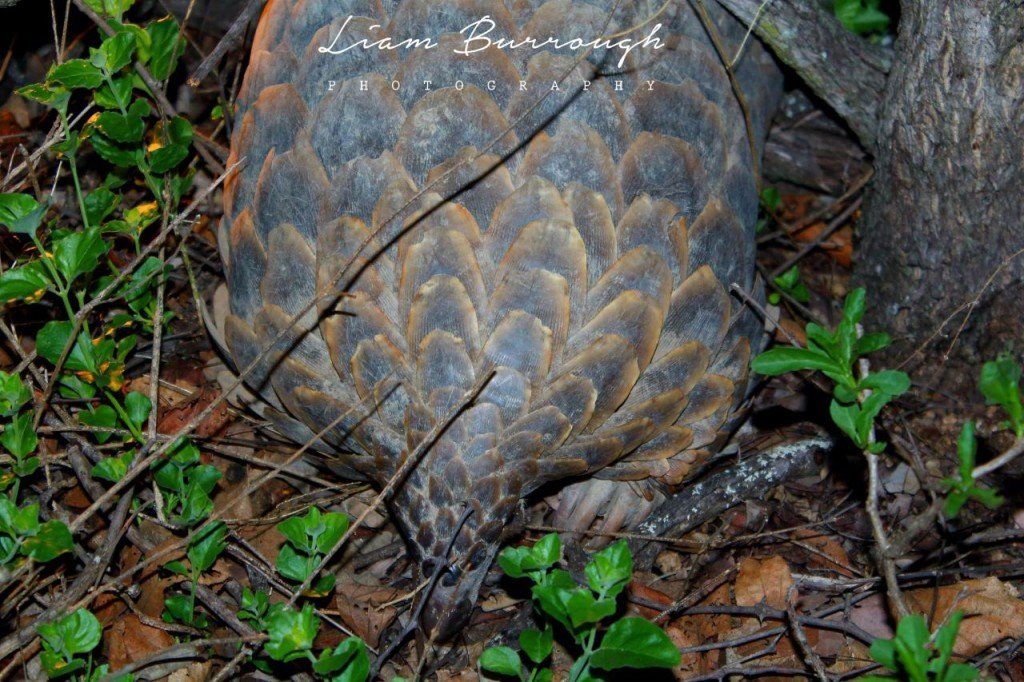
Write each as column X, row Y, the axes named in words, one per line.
column 568, row 229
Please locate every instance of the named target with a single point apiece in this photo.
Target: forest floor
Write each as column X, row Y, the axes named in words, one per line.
column 783, row 586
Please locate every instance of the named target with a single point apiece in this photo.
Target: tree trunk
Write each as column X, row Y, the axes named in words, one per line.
column 944, row 219
column 945, row 214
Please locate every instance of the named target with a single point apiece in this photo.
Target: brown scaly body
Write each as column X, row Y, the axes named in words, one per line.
column 584, row 257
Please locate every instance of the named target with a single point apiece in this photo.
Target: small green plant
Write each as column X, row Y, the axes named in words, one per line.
column 186, row 484
column 964, row 487
column 203, row 550
column 309, row 539
column 863, row 17
column 857, row 399
column 18, row 438
column 291, row 634
column 790, row 283
column 65, row 640
column 1000, row 384
column 581, row 611
column 915, row 656
column 22, row 534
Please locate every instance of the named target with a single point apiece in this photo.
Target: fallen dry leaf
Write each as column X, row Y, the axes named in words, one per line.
column 129, row 639
column 837, row 559
column 765, row 580
column 194, row 672
column 993, row 611
column 359, row 607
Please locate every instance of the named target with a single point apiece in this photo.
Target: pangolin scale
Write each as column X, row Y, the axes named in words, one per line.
column 540, row 225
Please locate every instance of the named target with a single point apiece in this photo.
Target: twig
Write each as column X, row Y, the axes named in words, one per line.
column 832, row 226
column 811, row 657
column 741, row 99
column 228, row 41
column 1002, row 460
column 883, row 550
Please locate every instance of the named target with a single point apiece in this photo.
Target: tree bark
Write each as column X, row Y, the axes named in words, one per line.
column 945, row 213
column 943, row 223
column 848, row 74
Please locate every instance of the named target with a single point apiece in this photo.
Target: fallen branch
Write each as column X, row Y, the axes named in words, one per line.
column 845, row 71
column 750, row 479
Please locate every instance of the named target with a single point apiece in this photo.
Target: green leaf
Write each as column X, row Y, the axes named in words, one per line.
column 113, row 469
column 547, row 551
column 883, row 652
column 1000, row 384
column 584, row 609
column 887, row 381
column 290, row 632
column 137, row 406
column 551, row 591
column 179, row 609
column 51, row 540
column 291, row 565
column 101, row 416
column 115, row 94
column 50, row 342
column 166, row 46
column 845, row 417
column 21, row 213
column 771, row 199
column 501, row 660
column 869, row 409
column 206, row 546
column 333, row 527
column 28, row 283
column 790, row 283
column 57, row 666
column 100, row 203
column 348, row 662
column 853, row 307
column 610, row 570
column 635, row 643
column 254, row 606
column 537, row 644
column 76, row 633
column 861, row 17
column 138, row 290
column 175, row 139
column 120, row 155
column 295, row 529
column 789, row 359
column 518, row 562
column 79, row 252
column 117, row 51
column 114, row 9
column 120, row 127
column 988, row 497
column 961, row 672
column 49, row 94
column 76, row 73
column 945, row 638
column 19, row 438
column 913, row 631
column 13, row 393
column 869, row 343
column 954, row 502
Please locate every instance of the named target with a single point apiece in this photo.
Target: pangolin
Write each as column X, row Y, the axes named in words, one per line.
column 521, row 254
